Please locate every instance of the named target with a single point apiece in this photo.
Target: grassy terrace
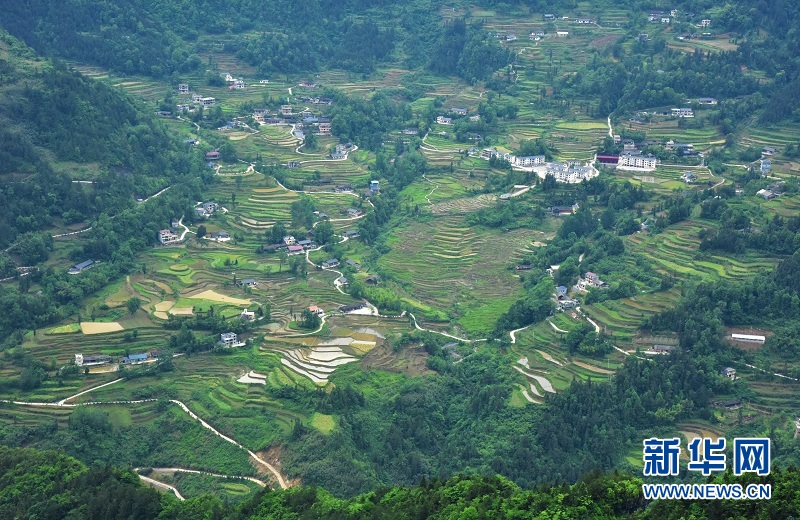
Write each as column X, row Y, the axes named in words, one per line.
column 456, row 270
column 674, row 252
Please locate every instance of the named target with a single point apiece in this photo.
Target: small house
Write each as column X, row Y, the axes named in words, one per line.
column 706, row 101
column 220, row 236
column 212, row 156
column 509, row 37
column 352, row 307
column 355, row 265
column 523, row 267
column 342, row 280
column 316, row 310
column 289, row 240
column 248, row 282
column 608, row 159
column 728, row 372
column 134, row 359
column 663, row 349
column 293, row 164
column 705, row 23
column 768, row 151
column 562, row 34
column 352, row 212
column 247, row 315
column 560, row 211
column 286, row 110
column 207, row 102
column 374, row 186
column 331, row 262
column 295, row 249
column 271, row 248
column 548, row 17
column 77, row 268
column 183, row 88
column 337, row 156
column 97, row 359
column 750, row 338
column 442, row 120
column 305, row 244
column 688, row 177
column 767, row 194
column 766, row 166
column 351, row 233
column 561, row 292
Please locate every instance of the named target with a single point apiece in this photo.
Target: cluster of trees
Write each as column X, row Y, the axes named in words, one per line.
column 779, row 236
column 367, row 121
column 350, row 44
column 469, row 52
column 504, row 214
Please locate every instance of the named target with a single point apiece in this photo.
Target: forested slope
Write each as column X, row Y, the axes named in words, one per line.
column 49, row 485
column 58, row 127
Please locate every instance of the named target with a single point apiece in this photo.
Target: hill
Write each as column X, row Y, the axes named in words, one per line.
column 49, row 485
column 77, row 155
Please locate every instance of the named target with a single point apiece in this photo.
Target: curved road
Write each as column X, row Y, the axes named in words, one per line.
column 63, row 403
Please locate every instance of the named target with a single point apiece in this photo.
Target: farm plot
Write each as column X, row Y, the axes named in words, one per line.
column 675, row 252
column 453, row 269
column 100, row 328
column 217, row 297
column 316, row 363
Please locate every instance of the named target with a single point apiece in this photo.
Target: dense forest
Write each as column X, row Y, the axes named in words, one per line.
column 49, row 485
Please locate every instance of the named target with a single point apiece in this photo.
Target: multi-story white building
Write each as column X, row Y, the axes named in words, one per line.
column 647, row 162
column 229, row 339
column 683, row 112
column 531, row 160
column 166, row 236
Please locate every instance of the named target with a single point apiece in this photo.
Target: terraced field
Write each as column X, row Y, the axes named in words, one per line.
column 449, row 266
column 318, row 362
column 622, row 318
column 546, row 368
column 675, row 252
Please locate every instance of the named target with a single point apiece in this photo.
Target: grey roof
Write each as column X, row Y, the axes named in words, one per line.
column 83, row 265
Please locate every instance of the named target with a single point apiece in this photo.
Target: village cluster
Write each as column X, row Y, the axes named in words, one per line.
column 570, row 172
